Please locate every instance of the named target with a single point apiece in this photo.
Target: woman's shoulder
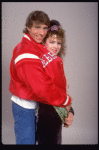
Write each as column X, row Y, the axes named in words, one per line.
column 59, row 59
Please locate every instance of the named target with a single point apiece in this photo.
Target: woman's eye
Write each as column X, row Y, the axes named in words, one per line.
column 51, row 41
column 59, row 43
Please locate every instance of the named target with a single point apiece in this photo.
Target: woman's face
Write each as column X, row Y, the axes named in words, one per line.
column 53, row 44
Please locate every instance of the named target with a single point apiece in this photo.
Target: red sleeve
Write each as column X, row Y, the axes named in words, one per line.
column 32, row 73
column 56, row 71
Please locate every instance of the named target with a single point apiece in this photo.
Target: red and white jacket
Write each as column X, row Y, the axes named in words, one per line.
column 36, row 74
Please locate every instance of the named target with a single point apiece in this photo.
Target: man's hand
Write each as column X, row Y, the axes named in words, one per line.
column 68, row 107
column 68, row 121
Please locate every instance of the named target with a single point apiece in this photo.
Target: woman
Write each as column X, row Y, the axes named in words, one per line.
column 49, row 122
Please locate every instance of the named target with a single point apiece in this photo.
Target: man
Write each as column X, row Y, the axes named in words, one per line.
column 29, row 83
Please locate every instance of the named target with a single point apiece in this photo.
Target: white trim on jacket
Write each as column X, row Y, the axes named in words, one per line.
column 26, row 55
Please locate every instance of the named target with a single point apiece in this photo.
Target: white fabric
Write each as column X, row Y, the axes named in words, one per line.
column 66, row 101
column 26, row 55
column 28, row 104
column 27, row 37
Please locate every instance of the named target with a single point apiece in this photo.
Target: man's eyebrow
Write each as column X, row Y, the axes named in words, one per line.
column 46, row 27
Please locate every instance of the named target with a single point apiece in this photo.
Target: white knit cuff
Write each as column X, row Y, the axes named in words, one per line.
column 67, row 100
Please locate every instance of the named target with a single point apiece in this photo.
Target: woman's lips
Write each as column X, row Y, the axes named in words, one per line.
column 55, row 51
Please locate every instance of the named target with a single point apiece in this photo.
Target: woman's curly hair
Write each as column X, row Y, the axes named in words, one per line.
column 60, row 33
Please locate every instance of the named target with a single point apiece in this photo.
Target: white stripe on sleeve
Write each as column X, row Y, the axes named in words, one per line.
column 26, row 55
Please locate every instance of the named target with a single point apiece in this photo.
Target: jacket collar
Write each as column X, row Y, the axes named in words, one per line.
column 32, row 40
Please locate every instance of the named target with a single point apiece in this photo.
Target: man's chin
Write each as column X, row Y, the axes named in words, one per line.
column 39, row 40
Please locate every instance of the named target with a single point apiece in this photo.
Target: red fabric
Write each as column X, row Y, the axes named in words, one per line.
column 41, row 79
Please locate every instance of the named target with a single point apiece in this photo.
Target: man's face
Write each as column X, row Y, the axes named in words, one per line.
column 38, row 32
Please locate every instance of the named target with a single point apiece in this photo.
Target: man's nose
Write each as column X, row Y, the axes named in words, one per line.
column 41, row 31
